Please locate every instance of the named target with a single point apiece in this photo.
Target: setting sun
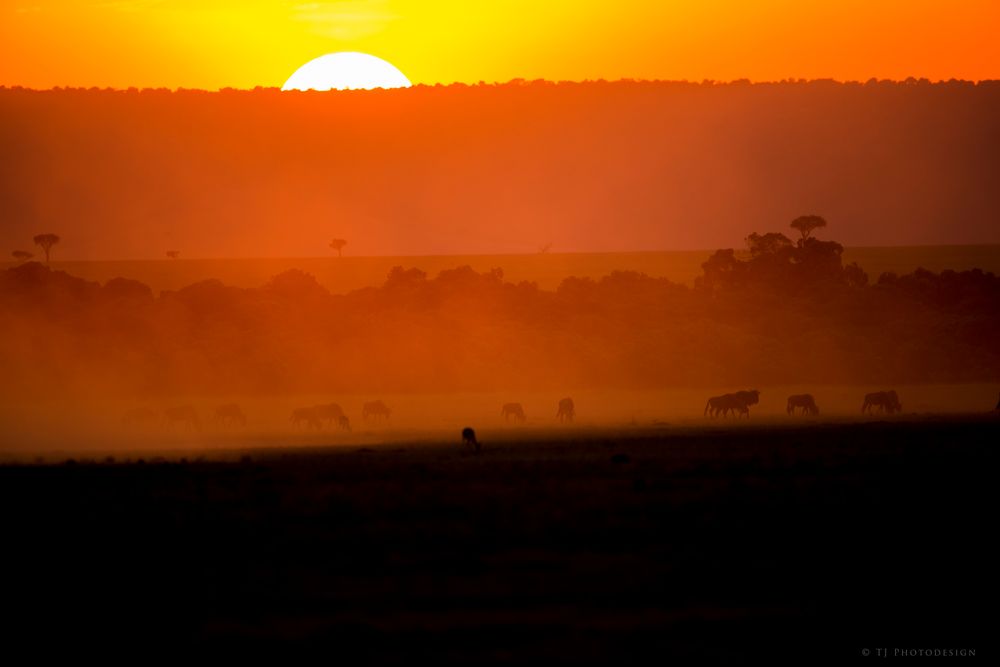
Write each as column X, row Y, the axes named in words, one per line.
column 346, row 71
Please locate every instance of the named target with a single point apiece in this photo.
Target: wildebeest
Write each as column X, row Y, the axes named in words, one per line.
column 723, row 405
column 307, row 416
column 183, row 415
column 469, row 438
column 885, row 401
column 375, row 410
column 566, row 410
column 140, row 417
column 805, row 402
column 229, row 415
column 329, row 412
column 716, row 405
column 513, row 411
column 344, row 423
column 738, row 403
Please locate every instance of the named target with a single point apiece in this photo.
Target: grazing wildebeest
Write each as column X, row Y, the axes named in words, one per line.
column 375, row 410
column 885, row 401
column 513, row 411
column 469, row 438
column 183, row 415
column 566, row 410
column 140, row 417
column 306, row 416
column 344, row 423
column 805, row 402
column 329, row 412
column 229, row 415
column 738, row 403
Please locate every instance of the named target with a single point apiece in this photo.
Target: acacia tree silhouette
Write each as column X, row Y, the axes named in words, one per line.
column 46, row 241
column 338, row 245
column 173, row 254
column 21, row 255
column 807, row 224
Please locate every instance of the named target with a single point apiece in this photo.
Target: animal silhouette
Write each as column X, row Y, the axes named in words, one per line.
column 886, row 402
column 805, row 402
column 182, row 415
column 717, row 406
column 375, row 411
column 140, row 417
column 567, row 411
column 469, row 438
column 513, row 411
column 329, row 412
column 344, row 423
column 738, row 403
column 229, row 415
column 307, row 417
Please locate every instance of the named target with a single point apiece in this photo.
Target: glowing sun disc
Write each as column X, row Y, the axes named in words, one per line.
column 346, row 70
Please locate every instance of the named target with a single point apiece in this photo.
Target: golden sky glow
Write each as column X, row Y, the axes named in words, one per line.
column 245, row 43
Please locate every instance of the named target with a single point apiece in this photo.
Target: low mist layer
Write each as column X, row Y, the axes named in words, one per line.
column 790, row 313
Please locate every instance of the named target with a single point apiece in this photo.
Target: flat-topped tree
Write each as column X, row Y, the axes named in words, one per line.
column 338, row 245
column 22, row 255
column 807, row 224
column 46, row 241
column 173, row 254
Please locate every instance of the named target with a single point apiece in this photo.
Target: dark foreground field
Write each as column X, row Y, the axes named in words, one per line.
column 582, row 548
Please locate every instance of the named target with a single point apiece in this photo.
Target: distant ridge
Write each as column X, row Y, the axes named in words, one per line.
column 462, row 169
column 516, row 82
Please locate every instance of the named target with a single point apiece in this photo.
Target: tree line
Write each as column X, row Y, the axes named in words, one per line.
column 775, row 311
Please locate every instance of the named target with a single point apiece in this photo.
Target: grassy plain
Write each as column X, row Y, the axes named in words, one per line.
column 600, row 545
column 94, row 428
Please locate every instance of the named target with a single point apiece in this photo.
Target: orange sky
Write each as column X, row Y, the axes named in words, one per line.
column 245, row 43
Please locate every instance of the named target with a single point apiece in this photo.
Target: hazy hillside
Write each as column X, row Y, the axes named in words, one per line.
column 496, row 169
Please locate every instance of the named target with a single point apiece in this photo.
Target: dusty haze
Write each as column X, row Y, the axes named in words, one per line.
column 448, row 350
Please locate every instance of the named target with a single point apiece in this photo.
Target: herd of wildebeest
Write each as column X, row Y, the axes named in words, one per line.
column 312, row 417
column 738, row 403
column 316, row 417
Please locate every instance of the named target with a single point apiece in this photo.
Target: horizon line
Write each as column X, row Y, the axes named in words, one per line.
column 517, row 82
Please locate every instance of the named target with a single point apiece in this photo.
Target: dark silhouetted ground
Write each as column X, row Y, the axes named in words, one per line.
column 585, row 547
